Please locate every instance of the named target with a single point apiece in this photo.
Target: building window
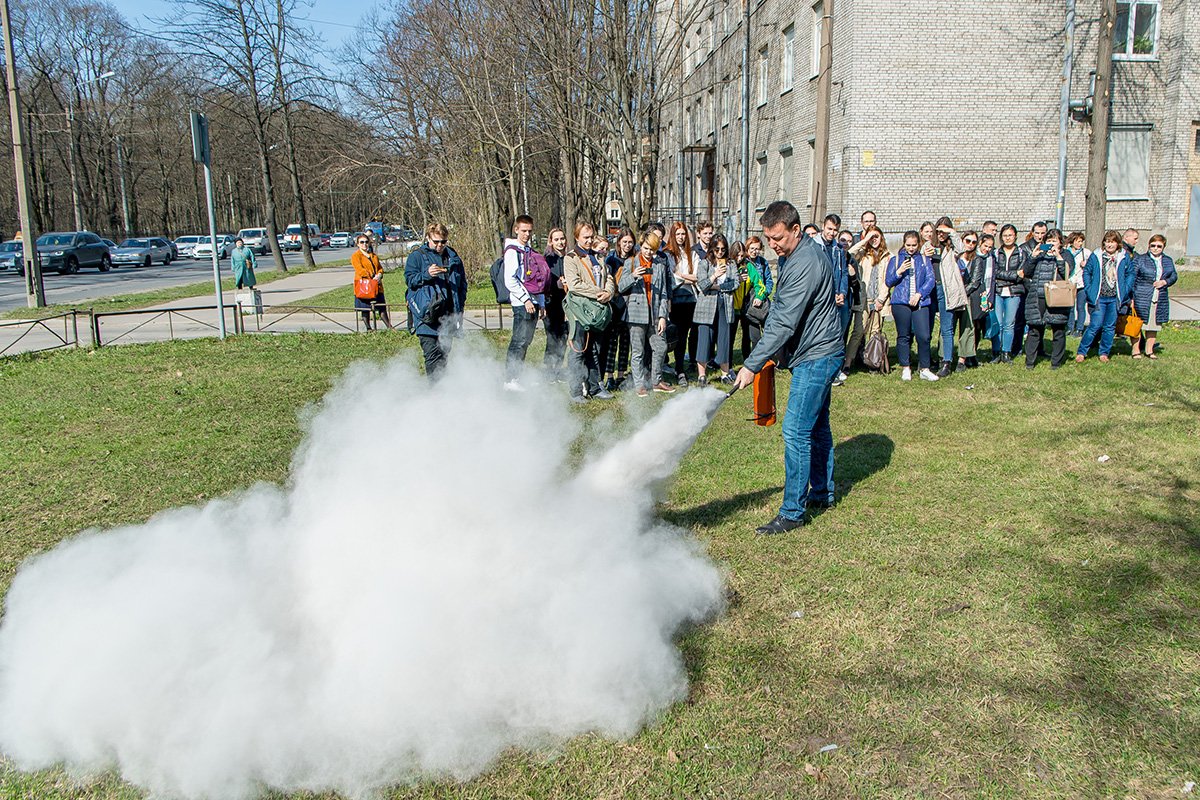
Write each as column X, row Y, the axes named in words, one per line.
column 710, row 31
column 789, row 59
column 687, row 58
column 711, row 109
column 818, row 16
column 785, row 175
column 1135, row 34
column 762, row 76
column 737, row 95
column 762, row 181
column 812, row 171
column 725, row 103
column 726, row 17
column 1128, row 163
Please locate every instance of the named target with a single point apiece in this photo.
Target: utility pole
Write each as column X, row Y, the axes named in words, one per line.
column 1097, row 184
column 1064, row 116
column 35, row 292
column 124, row 193
column 821, row 137
column 745, row 231
column 203, row 155
column 75, row 199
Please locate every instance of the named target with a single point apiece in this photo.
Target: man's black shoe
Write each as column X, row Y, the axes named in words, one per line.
column 780, row 525
column 944, row 372
column 812, row 503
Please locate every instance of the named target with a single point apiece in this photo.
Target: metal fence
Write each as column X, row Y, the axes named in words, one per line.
column 187, row 314
column 41, row 333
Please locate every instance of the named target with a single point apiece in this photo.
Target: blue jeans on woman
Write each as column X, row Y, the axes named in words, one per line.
column 1076, row 321
column 1103, row 321
column 807, row 438
column 1006, row 310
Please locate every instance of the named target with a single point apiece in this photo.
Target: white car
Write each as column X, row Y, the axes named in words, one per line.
column 341, row 239
column 184, row 245
column 204, row 249
column 255, row 239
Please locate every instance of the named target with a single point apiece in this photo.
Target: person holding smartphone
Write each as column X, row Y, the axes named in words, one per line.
column 1050, row 263
column 910, row 277
column 1012, row 265
column 645, row 283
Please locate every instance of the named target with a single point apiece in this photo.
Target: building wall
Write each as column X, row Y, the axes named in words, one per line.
column 937, row 109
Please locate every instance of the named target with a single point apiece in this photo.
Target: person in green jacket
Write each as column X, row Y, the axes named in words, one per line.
column 243, row 265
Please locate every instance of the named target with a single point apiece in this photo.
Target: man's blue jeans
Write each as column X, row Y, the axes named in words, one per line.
column 807, row 438
column 945, row 326
column 1103, row 321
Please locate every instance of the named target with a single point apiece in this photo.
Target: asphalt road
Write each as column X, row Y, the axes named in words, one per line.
column 88, row 284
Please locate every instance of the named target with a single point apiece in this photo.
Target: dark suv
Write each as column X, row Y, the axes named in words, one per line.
column 67, row 252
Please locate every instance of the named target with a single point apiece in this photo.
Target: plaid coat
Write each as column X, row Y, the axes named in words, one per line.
column 634, row 290
column 711, row 292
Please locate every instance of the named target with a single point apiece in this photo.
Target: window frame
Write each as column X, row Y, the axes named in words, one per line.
column 764, row 72
column 1142, row 130
column 788, row 67
column 1131, row 24
column 818, row 12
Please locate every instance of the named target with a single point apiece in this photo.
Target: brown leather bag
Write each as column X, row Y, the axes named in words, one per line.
column 875, row 352
column 1059, row 294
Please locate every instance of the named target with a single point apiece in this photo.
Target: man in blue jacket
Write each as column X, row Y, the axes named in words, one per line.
column 803, row 334
column 436, row 279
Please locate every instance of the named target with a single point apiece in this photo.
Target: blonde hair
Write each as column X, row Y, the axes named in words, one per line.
column 650, row 238
column 579, row 227
column 436, row 228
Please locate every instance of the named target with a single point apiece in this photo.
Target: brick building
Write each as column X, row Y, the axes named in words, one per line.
column 943, row 107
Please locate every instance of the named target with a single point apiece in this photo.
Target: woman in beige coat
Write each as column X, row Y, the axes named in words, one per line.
column 872, row 254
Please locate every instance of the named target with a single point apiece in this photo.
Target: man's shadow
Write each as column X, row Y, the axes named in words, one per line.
column 857, row 459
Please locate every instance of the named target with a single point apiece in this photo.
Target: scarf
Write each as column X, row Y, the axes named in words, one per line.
column 647, row 273
column 1157, row 277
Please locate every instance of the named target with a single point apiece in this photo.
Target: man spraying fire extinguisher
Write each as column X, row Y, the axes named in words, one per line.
column 803, row 334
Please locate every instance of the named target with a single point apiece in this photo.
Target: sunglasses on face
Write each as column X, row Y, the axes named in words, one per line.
column 970, row 241
column 1157, row 244
column 437, row 241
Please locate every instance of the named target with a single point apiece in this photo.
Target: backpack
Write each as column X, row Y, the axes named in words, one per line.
column 537, row 277
column 497, row 275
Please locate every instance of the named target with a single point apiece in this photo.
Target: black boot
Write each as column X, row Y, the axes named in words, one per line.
column 944, row 372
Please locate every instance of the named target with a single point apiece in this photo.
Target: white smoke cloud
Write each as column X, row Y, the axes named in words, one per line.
column 432, row 588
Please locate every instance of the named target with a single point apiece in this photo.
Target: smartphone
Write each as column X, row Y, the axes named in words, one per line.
column 1045, row 248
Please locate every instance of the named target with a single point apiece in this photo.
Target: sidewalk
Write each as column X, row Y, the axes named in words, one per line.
column 195, row 317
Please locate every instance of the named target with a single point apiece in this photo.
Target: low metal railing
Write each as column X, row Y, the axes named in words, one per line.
column 153, row 314
column 69, row 336
column 268, row 319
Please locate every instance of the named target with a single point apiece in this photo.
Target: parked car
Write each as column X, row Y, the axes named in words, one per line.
column 184, row 246
column 293, row 232
column 110, row 244
column 10, row 256
column 67, row 252
column 142, row 252
column 255, row 239
column 324, row 240
column 340, row 239
column 204, row 247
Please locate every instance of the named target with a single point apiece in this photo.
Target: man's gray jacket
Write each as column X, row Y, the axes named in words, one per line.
column 803, row 321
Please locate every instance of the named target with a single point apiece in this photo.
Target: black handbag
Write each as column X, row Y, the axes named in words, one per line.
column 757, row 315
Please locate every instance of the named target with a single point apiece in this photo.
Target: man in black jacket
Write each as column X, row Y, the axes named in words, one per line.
column 804, row 333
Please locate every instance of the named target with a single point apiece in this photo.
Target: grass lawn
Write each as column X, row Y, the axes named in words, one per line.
column 133, row 300
column 989, row 611
column 1188, row 281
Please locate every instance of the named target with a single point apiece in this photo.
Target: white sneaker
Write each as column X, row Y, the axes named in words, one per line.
column 514, row 386
column 906, row 375
column 842, row 376
column 928, row 375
